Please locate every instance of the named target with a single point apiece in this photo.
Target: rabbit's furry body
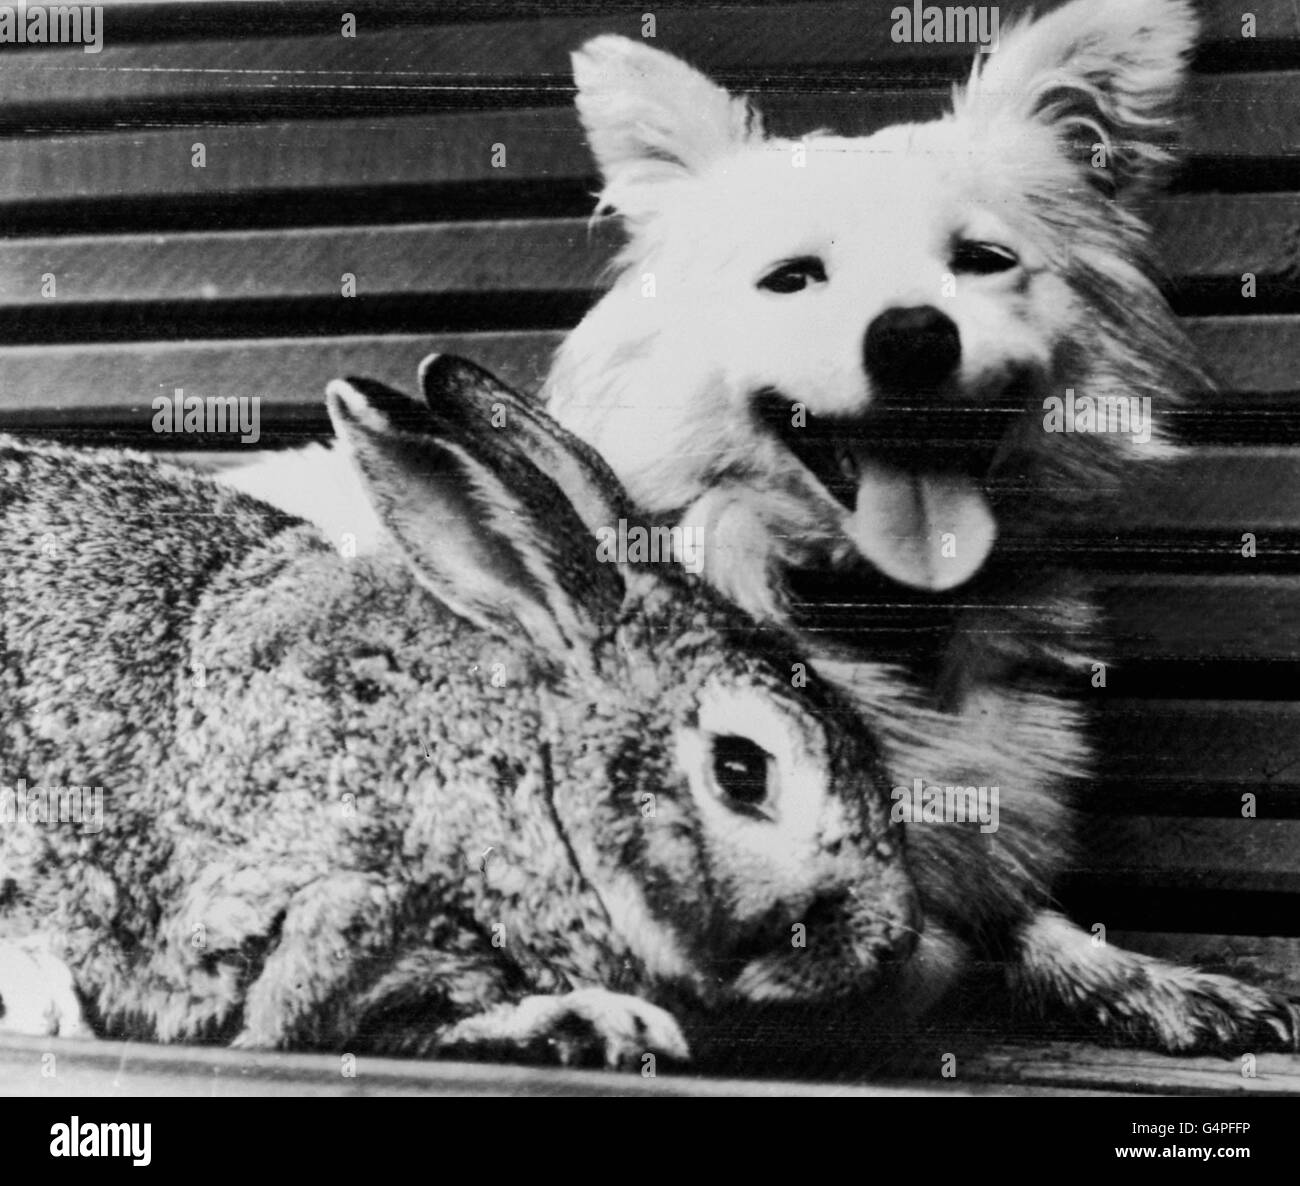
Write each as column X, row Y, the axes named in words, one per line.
column 341, row 816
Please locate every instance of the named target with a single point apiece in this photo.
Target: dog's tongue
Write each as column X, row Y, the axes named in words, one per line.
column 902, row 518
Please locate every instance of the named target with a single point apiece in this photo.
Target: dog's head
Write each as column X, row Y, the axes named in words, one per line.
column 880, row 328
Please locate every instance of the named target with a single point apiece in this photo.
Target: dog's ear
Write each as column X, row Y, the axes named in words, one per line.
column 1108, row 71
column 651, row 118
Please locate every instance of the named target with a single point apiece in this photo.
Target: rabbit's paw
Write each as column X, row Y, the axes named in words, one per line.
column 576, row 1028
column 37, row 996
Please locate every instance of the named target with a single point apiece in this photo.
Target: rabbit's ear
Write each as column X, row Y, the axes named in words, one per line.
column 466, row 401
column 484, row 529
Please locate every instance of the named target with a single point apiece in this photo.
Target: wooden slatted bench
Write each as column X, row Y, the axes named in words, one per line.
column 373, row 156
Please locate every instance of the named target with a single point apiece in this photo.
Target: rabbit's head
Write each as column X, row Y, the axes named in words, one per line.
column 729, row 810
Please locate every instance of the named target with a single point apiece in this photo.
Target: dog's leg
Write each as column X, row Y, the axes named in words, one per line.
column 1061, row 969
column 1056, row 967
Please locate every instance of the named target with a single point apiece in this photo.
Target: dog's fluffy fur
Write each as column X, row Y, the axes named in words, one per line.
column 666, row 385
column 732, row 378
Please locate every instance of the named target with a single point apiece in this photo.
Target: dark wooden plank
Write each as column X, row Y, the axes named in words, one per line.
column 294, row 156
column 1236, row 116
column 1256, row 855
column 292, row 371
column 1201, row 237
column 1239, row 115
column 509, row 256
column 459, row 54
column 1223, row 618
column 1234, row 745
column 1222, row 489
column 1219, row 237
column 1252, row 353
column 283, row 371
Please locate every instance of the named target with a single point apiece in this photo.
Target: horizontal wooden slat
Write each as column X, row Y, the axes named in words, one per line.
column 1078, row 1067
column 120, row 1069
column 137, row 1069
column 293, row 371
column 1255, row 855
column 283, row 371
column 1239, row 115
column 482, row 257
column 1200, row 238
column 732, row 38
column 1256, row 353
column 1220, row 489
column 117, row 1070
column 1185, row 746
column 293, row 156
column 1246, row 617
column 1218, row 237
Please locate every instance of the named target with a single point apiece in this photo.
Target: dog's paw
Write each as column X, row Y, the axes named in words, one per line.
column 37, row 995
column 1109, row 993
column 1186, row 1011
column 578, row 1028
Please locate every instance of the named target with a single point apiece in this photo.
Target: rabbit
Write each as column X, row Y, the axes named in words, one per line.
column 491, row 797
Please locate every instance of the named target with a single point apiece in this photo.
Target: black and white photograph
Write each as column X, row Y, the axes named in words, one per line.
column 736, row 549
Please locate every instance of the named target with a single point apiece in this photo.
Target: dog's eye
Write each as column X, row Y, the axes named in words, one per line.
column 794, row 275
column 743, row 775
column 983, row 259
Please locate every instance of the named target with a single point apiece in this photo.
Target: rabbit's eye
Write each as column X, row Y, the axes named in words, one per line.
column 742, row 774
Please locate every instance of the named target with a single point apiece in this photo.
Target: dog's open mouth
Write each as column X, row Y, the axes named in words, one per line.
column 914, row 480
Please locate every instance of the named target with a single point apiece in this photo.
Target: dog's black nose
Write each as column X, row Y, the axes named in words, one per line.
column 911, row 347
